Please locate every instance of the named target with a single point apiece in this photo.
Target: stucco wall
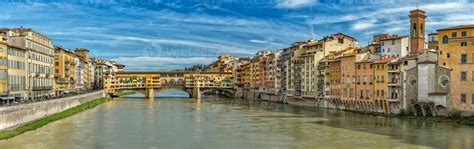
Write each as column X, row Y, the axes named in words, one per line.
column 16, row 115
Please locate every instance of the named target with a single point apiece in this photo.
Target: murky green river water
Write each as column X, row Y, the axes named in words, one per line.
column 182, row 123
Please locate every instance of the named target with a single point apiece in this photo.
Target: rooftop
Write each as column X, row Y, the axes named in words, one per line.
column 457, row 27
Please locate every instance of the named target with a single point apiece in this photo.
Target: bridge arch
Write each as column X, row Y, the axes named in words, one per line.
column 220, row 91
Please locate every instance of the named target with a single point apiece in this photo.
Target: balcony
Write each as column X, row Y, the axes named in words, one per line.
column 393, row 71
column 41, row 88
column 393, row 100
column 393, row 83
column 63, row 81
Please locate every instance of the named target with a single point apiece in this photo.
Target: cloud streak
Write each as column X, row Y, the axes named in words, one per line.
column 197, row 31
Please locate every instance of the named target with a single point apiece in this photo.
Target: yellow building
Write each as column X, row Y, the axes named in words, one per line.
column 209, row 79
column 65, row 72
column 3, row 67
column 380, row 68
column 223, row 63
column 245, row 75
column 455, row 51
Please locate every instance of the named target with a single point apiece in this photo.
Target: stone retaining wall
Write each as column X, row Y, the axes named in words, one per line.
column 12, row 116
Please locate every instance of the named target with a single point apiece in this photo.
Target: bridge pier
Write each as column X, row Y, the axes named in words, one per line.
column 150, row 94
column 197, row 92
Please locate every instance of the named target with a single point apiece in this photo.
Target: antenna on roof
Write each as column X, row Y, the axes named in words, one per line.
column 417, row 2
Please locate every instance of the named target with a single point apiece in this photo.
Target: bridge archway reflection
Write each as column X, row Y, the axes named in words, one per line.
column 172, row 93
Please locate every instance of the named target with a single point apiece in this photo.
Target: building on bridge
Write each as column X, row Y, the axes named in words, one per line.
column 149, row 83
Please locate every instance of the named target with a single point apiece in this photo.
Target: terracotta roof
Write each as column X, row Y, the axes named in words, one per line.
column 81, row 49
column 394, row 37
column 313, row 43
column 457, row 27
column 434, row 33
column 28, row 30
column 386, row 60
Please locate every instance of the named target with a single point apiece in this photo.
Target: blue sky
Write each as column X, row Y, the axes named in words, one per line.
column 167, row 34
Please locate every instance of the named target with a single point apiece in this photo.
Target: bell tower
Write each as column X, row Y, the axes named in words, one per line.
column 417, row 30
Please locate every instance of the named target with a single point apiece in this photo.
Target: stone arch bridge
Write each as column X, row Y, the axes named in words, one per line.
column 193, row 83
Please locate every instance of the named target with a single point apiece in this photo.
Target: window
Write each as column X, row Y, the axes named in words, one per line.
column 463, row 98
column 393, row 42
column 440, row 52
column 361, row 93
column 454, row 34
column 383, row 92
column 472, row 75
column 445, row 39
column 463, row 76
column 472, row 100
column 377, row 93
column 463, row 44
column 367, row 92
column 352, row 93
column 463, row 58
column 464, row 34
column 448, row 55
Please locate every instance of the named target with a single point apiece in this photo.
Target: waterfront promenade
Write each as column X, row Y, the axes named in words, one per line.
column 14, row 115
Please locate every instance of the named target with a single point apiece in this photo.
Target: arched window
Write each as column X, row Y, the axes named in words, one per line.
column 445, row 39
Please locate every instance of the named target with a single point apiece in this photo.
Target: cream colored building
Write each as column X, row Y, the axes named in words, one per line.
column 32, row 53
column 86, row 76
column 312, row 52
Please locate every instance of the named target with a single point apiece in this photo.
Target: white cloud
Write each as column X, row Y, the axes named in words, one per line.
column 362, row 25
column 258, row 41
column 294, row 3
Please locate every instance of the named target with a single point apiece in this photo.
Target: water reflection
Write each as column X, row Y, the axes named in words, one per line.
column 134, row 122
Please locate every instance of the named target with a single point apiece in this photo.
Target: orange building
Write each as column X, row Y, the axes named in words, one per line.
column 365, row 80
column 456, row 51
column 348, row 77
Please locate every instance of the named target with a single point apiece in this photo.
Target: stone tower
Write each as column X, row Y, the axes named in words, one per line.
column 417, row 30
column 83, row 53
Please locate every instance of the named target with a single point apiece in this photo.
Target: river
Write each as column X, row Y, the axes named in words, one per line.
column 168, row 123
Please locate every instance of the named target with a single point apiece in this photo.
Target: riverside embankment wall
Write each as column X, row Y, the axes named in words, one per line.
column 292, row 100
column 12, row 116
